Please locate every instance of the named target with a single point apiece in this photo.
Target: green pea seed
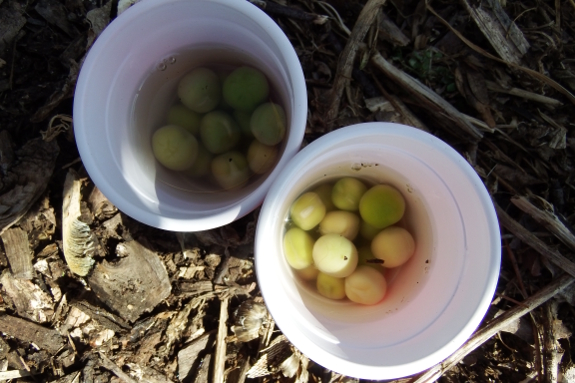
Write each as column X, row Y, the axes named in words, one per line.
column 219, row 132
column 268, row 123
column 330, row 287
column 230, row 169
column 245, row 88
column 200, row 90
column 174, row 147
column 298, row 246
column 382, row 206
column 184, row 117
column 335, row 255
column 307, row 211
column 201, row 166
column 365, row 286
column 261, row 157
column 347, row 192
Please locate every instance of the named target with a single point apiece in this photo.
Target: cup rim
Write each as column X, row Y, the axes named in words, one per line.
column 278, row 302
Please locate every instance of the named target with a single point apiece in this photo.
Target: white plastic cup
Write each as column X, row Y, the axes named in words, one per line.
column 114, row 139
column 435, row 301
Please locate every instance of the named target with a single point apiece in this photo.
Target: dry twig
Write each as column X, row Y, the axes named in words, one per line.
column 493, row 327
column 347, row 56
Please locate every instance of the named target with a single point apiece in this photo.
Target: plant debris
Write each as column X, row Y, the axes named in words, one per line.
column 89, row 295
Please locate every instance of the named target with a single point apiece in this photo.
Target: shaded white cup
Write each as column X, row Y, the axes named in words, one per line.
column 435, row 301
column 114, row 142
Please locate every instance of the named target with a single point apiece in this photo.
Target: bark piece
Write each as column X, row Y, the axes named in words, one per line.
column 134, row 284
column 431, row 101
column 78, row 241
column 503, row 34
column 204, row 370
column 39, row 222
column 188, row 356
column 111, row 366
column 31, row 302
column 25, row 331
column 390, row 32
column 26, row 180
column 55, row 13
column 18, row 252
column 104, row 318
column 102, row 208
column 11, row 21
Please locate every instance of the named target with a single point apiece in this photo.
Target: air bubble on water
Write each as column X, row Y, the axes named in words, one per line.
column 162, row 66
column 171, row 60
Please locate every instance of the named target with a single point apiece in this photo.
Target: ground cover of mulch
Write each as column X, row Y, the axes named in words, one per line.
column 494, row 79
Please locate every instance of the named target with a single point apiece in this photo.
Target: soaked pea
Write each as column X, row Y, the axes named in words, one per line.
column 340, row 222
column 330, row 287
column 243, row 120
column 219, row 132
column 261, row 157
column 366, row 258
column 335, row 255
column 382, row 206
column 307, row 211
column 393, row 245
column 230, row 169
column 268, row 123
column 184, row 117
column 310, row 273
column 298, row 246
column 324, row 192
column 347, row 192
column 201, row 166
column 245, row 88
column 174, row 147
column 367, row 231
column 365, row 285
column 200, row 90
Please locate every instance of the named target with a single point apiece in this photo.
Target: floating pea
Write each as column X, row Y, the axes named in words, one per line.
column 347, row 192
column 335, row 255
column 200, row 90
column 201, row 166
column 184, row 117
column 382, row 206
column 261, row 157
column 219, row 132
column 245, row 88
column 394, row 246
column 330, row 287
column 174, row 147
column 298, row 246
column 307, row 211
column 268, row 123
column 230, row 169
column 365, row 285
column 340, row 222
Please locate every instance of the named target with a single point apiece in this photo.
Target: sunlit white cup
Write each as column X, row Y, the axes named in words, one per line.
column 142, row 40
column 435, row 301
